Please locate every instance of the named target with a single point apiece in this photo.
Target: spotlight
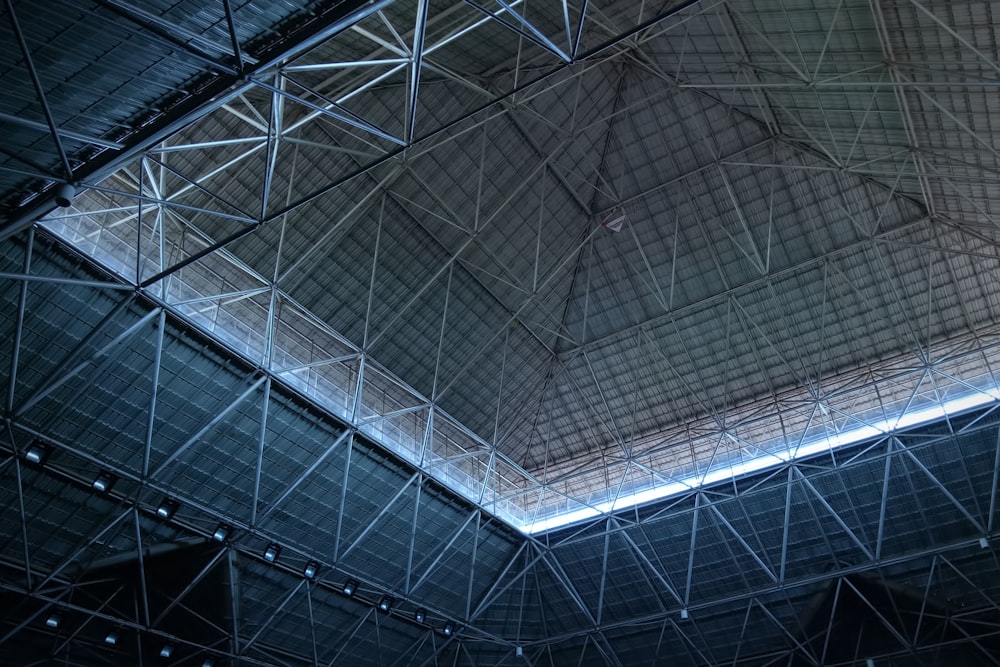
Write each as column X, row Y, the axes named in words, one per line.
column 53, row 620
column 385, row 604
column 64, row 194
column 420, row 615
column 271, row 552
column 36, row 454
column 684, row 614
column 167, row 651
column 449, row 629
column 208, row 662
column 311, row 568
column 167, row 508
column 111, row 638
column 103, row 482
column 350, row 587
column 221, row 533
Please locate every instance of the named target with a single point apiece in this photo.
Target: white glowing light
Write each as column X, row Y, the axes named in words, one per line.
column 849, row 437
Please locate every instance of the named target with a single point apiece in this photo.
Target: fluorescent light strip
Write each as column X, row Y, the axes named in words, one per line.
column 852, row 437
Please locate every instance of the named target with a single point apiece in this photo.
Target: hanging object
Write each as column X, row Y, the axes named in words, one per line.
column 615, row 221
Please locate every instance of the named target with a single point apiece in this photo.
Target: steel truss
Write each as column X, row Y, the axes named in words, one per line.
column 859, row 548
column 499, row 483
column 773, row 586
column 274, row 104
column 50, row 586
column 519, row 496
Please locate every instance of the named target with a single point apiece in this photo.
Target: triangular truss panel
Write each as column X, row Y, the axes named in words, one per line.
column 132, row 363
column 220, row 459
column 308, row 508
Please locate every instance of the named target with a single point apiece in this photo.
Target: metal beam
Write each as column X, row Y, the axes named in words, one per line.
column 218, row 92
column 29, row 65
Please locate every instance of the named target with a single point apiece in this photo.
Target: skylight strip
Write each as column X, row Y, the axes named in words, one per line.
column 524, row 503
column 110, row 247
column 855, row 436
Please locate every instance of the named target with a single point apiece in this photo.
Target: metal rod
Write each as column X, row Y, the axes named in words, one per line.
column 176, row 599
column 261, row 439
column 144, row 593
column 102, row 351
column 22, row 302
column 24, row 522
column 385, row 510
column 39, row 89
column 153, row 394
column 67, row 134
column 218, row 417
column 305, row 474
column 231, row 24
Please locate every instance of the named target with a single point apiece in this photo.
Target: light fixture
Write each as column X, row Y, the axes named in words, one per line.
column 167, row 508
column 272, row 552
column 449, row 629
column 111, row 638
column 167, row 651
column 350, row 587
column 385, row 604
column 36, row 454
column 311, row 568
column 64, row 194
column 684, row 614
column 53, row 620
column 420, row 615
column 208, row 662
column 103, row 482
column 221, row 533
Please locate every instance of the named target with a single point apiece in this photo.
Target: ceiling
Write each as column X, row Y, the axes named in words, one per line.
column 393, row 285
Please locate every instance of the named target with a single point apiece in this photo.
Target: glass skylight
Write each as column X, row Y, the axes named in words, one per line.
column 238, row 307
column 762, row 463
